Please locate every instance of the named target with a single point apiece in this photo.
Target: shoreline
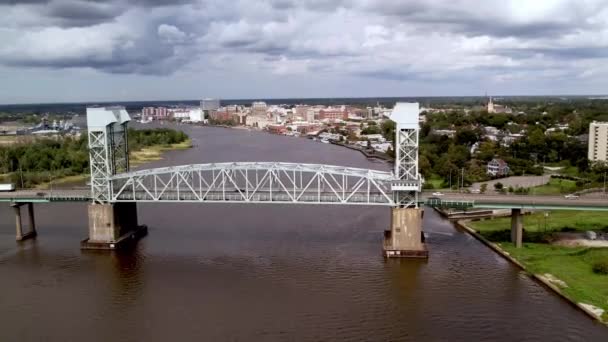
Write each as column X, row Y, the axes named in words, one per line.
column 377, row 155
column 462, row 224
column 136, row 158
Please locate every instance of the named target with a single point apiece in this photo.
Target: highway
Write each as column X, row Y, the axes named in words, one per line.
column 467, row 200
column 500, row 201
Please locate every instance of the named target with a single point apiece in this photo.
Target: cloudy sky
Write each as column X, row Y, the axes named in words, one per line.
column 80, row 50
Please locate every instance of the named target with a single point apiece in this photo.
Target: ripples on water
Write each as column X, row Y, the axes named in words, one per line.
column 265, row 273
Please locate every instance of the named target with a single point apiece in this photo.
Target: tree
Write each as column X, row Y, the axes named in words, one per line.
column 466, row 137
column 498, row 186
column 483, row 188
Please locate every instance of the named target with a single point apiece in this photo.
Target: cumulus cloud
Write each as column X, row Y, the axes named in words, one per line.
column 171, row 34
column 393, row 40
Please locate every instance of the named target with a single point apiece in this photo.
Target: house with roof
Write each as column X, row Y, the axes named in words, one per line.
column 497, row 168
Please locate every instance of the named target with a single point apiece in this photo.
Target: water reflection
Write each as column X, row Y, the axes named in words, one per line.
column 245, row 272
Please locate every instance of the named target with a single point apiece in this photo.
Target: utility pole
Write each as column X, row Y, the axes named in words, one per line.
column 450, row 179
column 462, row 183
column 21, row 175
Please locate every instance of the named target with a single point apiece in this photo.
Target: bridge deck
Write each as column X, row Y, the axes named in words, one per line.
column 450, row 200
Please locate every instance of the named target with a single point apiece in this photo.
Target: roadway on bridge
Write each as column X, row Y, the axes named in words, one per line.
column 523, row 201
column 475, row 200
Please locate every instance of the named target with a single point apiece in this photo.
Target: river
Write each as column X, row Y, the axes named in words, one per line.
column 227, row 272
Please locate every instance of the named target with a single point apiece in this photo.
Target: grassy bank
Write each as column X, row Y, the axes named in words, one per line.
column 554, row 221
column 572, row 265
column 75, row 179
column 555, row 187
column 153, row 153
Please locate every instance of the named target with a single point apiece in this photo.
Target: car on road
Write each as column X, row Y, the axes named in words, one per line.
column 437, row 193
column 571, row 196
column 7, row 187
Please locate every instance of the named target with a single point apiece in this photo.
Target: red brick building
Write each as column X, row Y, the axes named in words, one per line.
column 333, row 114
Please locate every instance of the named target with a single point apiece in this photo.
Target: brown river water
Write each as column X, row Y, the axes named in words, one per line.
column 227, row 272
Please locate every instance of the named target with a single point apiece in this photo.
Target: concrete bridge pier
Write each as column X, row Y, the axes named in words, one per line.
column 20, row 235
column 516, row 227
column 112, row 226
column 405, row 238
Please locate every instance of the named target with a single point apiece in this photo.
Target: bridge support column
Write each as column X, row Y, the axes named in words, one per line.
column 516, row 227
column 19, row 234
column 112, row 226
column 405, row 238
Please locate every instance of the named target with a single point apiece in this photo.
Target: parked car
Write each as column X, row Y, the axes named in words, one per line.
column 571, row 196
column 475, row 191
column 437, row 193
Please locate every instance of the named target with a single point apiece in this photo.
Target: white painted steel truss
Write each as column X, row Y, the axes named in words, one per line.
column 256, row 182
column 405, row 192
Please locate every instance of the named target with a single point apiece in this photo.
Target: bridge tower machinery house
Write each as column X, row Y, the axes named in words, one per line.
column 110, row 224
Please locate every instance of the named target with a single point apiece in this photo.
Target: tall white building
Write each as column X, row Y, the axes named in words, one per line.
column 598, row 141
column 210, row 104
column 259, row 108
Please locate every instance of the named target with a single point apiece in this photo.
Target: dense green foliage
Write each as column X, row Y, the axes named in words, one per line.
column 149, row 137
column 467, row 150
column 44, row 159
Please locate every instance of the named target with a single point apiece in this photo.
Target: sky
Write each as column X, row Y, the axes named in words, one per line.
column 119, row 50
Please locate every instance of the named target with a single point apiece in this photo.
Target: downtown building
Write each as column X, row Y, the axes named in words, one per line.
column 156, row 113
column 598, row 142
column 210, row 104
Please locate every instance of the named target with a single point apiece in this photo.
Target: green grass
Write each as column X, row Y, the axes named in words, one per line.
column 556, row 220
column 435, row 181
column 152, row 153
column 75, row 179
column 571, row 265
column 555, row 187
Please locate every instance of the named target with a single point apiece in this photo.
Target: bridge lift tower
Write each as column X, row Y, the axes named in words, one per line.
column 405, row 237
column 110, row 224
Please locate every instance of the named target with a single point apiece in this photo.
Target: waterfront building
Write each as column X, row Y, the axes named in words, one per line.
column 310, row 115
column 158, row 113
column 333, row 114
column 598, row 141
column 221, row 116
column 301, row 111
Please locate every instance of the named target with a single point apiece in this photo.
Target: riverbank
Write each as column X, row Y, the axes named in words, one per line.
column 136, row 158
column 566, row 270
column 366, row 153
column 154, row 153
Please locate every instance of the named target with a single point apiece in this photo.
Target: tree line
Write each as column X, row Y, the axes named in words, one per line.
column 44, row 159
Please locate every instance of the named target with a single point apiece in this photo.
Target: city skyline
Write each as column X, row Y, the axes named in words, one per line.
column 75, row 51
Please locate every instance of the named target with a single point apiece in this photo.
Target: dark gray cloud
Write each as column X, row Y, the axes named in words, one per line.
column 489, row 18
column 82, row 13
column 558, row 53
column 406, row 41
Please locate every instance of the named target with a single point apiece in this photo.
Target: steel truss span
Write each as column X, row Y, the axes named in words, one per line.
column 256, row 182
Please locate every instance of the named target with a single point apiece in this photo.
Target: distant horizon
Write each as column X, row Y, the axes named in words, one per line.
column 291, row 99
column 76, row 51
